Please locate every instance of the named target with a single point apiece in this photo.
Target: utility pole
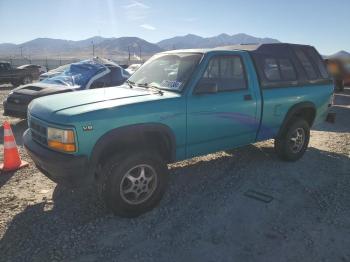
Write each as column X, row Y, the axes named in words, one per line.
column 21, row 47
column 140, row 53
column 129, row 53
column 93, row 49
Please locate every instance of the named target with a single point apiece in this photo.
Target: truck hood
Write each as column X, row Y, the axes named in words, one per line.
column 42, row 89
column 94, row 99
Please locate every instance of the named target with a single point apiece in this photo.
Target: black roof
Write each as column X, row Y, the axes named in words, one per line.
column 259, row 48
column 253, row 48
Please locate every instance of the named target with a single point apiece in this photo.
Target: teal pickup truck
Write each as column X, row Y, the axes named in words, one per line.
column 178, row 105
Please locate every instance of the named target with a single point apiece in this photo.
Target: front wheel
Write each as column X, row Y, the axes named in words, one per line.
column 293, row 141
column 133, row 183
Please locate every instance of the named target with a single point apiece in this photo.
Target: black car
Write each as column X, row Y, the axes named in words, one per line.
column 17, row 76
column 87, row 74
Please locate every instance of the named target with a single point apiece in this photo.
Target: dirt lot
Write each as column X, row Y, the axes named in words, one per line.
column 205, row 214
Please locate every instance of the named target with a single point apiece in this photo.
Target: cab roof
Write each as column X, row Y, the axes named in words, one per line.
column 253, row 48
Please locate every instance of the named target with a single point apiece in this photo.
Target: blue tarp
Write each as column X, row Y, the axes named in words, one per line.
column 77, row 74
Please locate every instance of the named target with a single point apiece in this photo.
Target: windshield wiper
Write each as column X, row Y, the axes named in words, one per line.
column 153, row 87
column 131, row 84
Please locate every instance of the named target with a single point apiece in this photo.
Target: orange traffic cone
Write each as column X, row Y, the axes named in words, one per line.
column 12, row 160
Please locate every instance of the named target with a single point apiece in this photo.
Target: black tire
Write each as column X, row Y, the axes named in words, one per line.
column 285, row 146
column 15, row 83
column 112, row 179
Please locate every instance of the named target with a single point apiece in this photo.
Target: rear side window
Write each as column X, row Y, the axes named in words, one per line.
column 227, row 72
column 316, row 59
column 279, row 70
column 306, row 63
column 287, row 70
column 271, row 70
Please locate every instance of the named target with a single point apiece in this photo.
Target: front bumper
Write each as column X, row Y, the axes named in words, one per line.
column 61, row 168
column 15, row 110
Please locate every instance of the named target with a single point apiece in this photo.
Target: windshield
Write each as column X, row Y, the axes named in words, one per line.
column 77, row 74
column 167, row 71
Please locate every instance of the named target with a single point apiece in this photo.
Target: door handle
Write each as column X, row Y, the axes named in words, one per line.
column 248, row 97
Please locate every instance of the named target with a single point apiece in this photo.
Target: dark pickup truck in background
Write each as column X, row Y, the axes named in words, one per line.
column 16, row 76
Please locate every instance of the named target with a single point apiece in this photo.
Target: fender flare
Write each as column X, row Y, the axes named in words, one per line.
column 293, row 111
column 129, row 132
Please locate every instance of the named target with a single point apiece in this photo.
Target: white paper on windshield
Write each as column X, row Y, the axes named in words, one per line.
column 171, row 84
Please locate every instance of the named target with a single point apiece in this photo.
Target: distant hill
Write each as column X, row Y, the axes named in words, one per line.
column 194, row 41
column 109, row 47
column 340, row 55
column 119, row 47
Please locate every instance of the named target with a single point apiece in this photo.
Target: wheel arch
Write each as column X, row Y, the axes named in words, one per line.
column 139, row 136
column 305, row 110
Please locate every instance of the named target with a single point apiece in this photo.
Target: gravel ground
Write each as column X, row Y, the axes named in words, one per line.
column 205, row 214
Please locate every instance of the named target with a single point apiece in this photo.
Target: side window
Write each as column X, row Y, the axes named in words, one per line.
column 306, row 63
column 227, row 72
column 287, row 70
column 316, row 59
column 103, row 81
column 271, row 70
column 116, row 76
column 213, row 69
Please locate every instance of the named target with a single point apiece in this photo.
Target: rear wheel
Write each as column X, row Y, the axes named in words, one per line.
column 133, row 183
column 15, row 83
column 293, row 141
column 27, row 80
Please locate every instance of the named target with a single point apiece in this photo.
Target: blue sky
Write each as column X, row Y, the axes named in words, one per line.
column 324, row 24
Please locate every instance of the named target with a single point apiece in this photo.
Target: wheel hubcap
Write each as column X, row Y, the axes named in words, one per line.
column 138, row 184
column 27, row 80
column 297, row 140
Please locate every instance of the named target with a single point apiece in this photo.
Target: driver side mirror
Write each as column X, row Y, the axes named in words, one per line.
column 206, row 88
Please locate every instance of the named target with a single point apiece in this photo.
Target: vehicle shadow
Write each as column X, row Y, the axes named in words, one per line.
column 342, row 109
column 5, row 176
column 199, row 190
column 18, row 129
column 342, row 98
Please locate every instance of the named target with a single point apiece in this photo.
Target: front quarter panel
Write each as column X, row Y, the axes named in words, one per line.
column 92, row 125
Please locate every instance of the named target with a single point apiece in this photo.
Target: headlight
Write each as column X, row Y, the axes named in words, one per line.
column 60, row 139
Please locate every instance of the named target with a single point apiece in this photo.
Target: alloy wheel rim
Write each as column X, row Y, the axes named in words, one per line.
column 26, row 80
column 138, row 184
column 297, row 140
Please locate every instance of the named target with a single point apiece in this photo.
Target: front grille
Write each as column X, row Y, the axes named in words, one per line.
column 38, row 130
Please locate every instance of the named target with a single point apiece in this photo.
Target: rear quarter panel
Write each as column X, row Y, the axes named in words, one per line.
column 278, row 101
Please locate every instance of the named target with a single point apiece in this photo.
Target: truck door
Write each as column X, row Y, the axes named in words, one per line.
column 222, row 109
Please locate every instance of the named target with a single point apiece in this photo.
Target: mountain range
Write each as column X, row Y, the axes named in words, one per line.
column 120, row 47
column 340, row 55
column 194, row 41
